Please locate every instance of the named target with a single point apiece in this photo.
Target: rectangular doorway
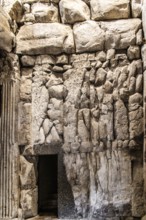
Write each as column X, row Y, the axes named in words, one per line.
column 47, row 185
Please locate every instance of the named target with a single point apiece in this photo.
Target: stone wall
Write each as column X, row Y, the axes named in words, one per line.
column 81, row 94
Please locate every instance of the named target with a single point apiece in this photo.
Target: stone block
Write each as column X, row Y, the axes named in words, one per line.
column 121, row 34
column 6, row 36
column 44, row 38
column 83, row 40
column 136, row 6
column 45, row 13
column 73, row 11
column 109, row 9
column 25, row 119
column 28, row 202
column 143, row 53
column 27, row 174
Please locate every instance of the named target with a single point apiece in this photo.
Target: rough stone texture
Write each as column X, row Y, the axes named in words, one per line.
column 98, row 110
column 44, row 13
column 45, row 38
column 109, row 9
column 144, row 18
column 136, row 8
column 124, row 32
column 15, row 10
column 28, row 204
column 143, row 53
column 73, row 11
column 27, row 174
column 25, row 116
column 95, row 156
column 80, row 97
column 84, row 41
column 6, row 36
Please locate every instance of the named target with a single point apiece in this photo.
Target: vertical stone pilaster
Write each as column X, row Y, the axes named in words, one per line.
column 8, row 146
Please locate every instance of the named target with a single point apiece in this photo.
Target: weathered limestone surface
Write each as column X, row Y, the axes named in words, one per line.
column 60, row 38
column 28, row 181
column 45, row 38
column 144, row 18
column 6, row 36
column 124, row 32
column 136, row 8
column 45, row 13
column 110, row 9
column 84, row 41
column 73, row 11
column 95, row 102
column 81, row 94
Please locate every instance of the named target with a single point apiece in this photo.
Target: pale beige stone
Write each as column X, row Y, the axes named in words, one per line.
column 28, row 202
column 25, row 89
column 133, row 52
column 56, row 91
column 121, row 121
column 124, row 32
column 6, row 36
column 62, row 59
column 73, row 11
column 27, row 61
column 109, row 9
column 34, row 1
column 139, row 83
column 44, row 13
column 83, row 40
column 53, row 138
column 27, row 174
column 47, row 125
column 143, row 53
column 25, row 120
column 39, row 108
column 15, row 10
column 43, row 38
column 144, row 18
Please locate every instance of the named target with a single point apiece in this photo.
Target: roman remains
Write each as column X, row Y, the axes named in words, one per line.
column 73, row 109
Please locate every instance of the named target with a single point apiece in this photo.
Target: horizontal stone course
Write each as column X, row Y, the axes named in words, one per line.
column 55, row 38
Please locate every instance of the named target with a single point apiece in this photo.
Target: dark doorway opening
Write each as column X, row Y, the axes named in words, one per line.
column 47, row 185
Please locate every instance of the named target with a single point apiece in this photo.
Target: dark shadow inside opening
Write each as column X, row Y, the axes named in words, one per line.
column 47, row 185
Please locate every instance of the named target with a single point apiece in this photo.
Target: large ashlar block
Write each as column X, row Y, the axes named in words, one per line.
column 73, row 11
column 6, row 36
column 42, row 38
column 109, row 9
column 44, row 13
column 88, row 36
column 121, row 34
